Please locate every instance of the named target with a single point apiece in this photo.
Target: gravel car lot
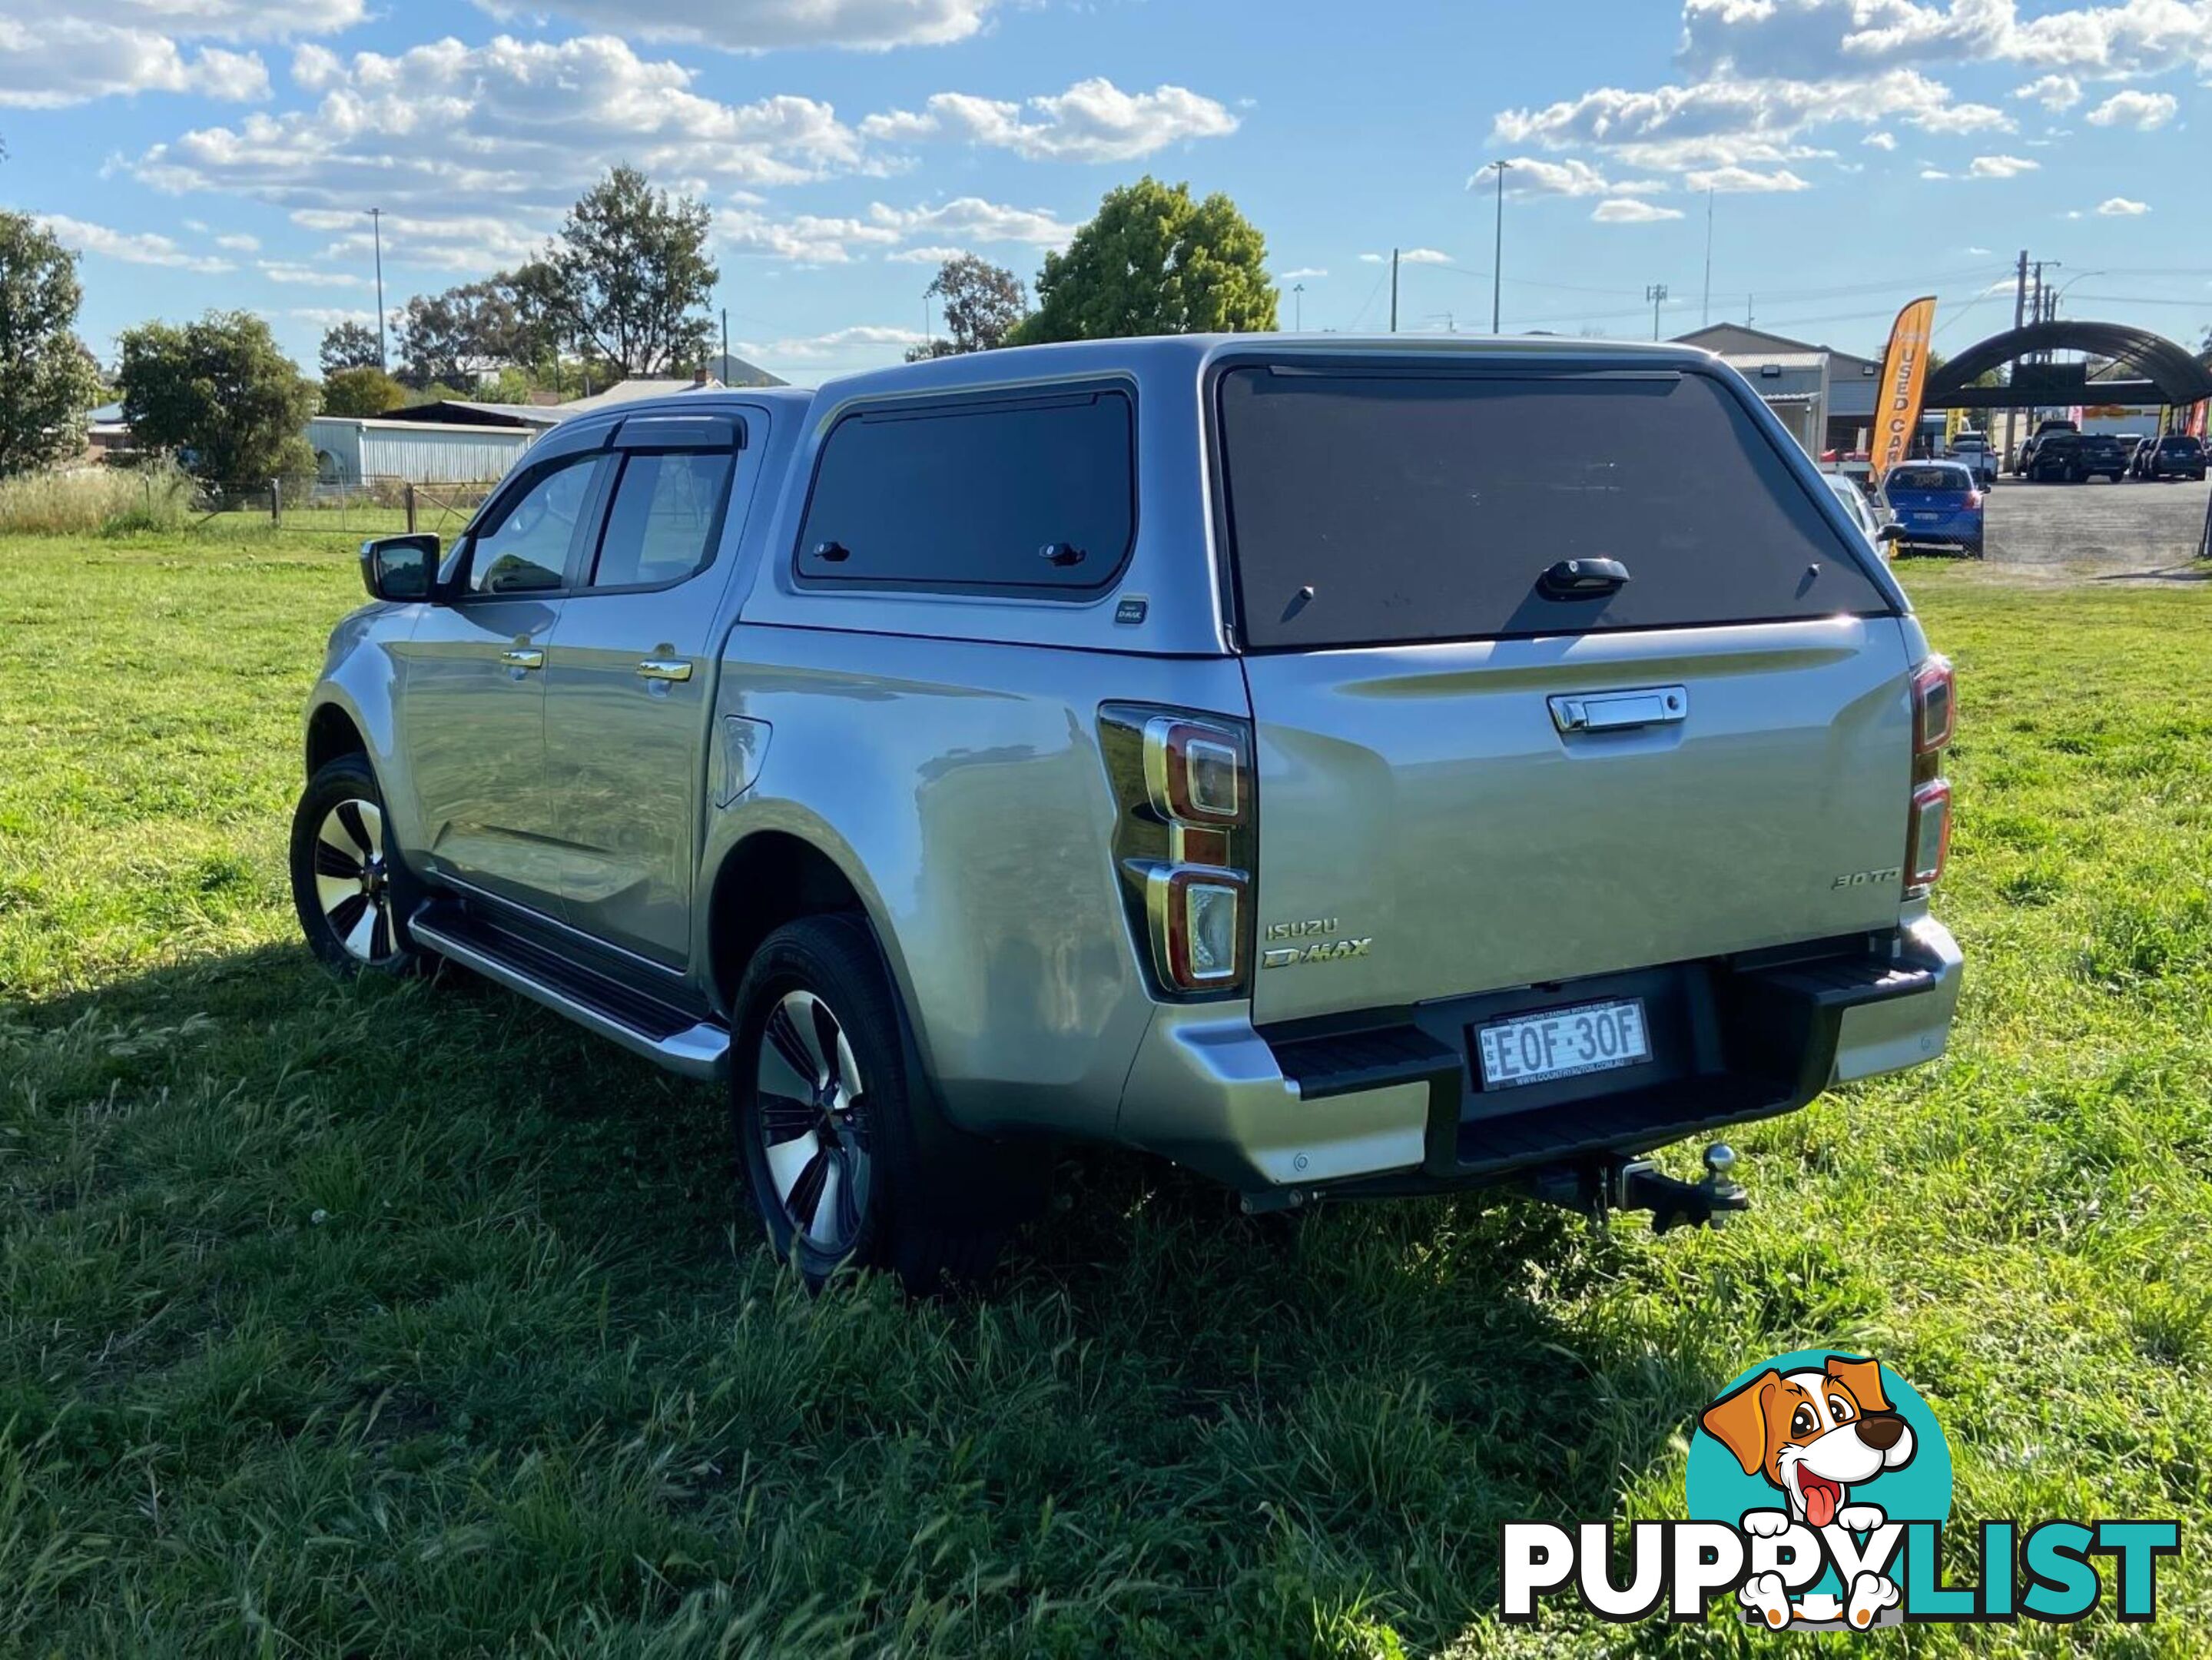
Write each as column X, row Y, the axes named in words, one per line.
column 2131, row 526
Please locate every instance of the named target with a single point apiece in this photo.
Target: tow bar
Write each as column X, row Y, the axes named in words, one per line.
column 1626, row 1184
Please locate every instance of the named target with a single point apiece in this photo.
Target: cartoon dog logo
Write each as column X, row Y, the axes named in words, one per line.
column 1814, row 1435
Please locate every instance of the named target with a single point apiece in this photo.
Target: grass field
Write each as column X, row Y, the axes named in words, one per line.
column 410, row 1322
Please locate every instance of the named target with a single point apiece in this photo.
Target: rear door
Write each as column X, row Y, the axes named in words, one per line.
column 629, row 683
column 1497, row 778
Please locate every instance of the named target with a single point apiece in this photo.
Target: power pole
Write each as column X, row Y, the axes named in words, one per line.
column 1497, row 246
column 1706, row 312
column 1394, row 291
column 1747, row 298
column 1298, row 307
column 376, row 232
column 726, row 342
column 2020, row 293
column 1656, row 293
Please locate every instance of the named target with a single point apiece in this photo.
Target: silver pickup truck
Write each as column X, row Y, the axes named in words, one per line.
column 1342, row 767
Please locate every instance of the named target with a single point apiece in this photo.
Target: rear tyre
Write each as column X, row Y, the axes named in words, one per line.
column 841, row 1163
column 347, row 881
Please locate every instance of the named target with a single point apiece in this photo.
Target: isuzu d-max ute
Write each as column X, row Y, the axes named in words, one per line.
column 1342, row 767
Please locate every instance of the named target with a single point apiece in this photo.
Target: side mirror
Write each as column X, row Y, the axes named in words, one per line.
column 1890, row 532
column 402, row 568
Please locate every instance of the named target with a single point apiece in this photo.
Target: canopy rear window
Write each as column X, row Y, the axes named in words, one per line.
column 1952, row 480
column 1381, row 507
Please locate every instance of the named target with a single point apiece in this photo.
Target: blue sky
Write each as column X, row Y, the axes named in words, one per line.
column 222, row 152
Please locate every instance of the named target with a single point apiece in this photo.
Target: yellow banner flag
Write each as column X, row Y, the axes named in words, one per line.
column 1904, row 376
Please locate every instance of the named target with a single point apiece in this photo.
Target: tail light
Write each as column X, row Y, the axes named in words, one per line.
column 1973, row 498
column 1184, row 842
column 1927, row 823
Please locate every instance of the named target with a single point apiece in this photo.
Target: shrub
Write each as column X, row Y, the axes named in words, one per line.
column 95, row 501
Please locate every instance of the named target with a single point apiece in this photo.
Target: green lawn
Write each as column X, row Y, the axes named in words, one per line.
column 410, row 1322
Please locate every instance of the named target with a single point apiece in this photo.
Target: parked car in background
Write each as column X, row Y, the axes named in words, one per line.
column 1973, row 450
column 1935, row 504
column 2139, row 463
column 2179, row 455
column 1860, row 510
column 2101, row 455
column 2051, row 458
column 1338, row 766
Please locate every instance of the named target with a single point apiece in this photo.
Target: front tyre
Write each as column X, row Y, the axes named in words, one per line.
column 345, row 873
column 843, row 1166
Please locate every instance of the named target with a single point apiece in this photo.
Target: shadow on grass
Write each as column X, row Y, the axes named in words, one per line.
column 410, row 1241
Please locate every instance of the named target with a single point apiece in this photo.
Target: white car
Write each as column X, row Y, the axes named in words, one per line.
column 1860, row 509
column 1973, row 449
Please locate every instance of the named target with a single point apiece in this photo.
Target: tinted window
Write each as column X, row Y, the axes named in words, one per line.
column 662, row 526
column 1930, row 479
column 523, row 547
column 1038, row 494
column 1368, row 508
column 2181, row 444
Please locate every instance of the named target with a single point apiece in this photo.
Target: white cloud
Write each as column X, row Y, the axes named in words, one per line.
column 925, row 256
column 1744, row 180
column 1811, row 37
column 287, row 271
column 836, row 343
column 58, row 61
column 766, row 25
column 1628, row 210
column 1722, row 122
column 2056, row 93
column 453, row 242
column 2146, row 111
column 329, row 317
column 131, row 247
column 499, row 137
column 1881, row 141
column 1933, row 172
column 974, row 219
column 1530, row 175
column 1425, row 257
column 2120, row 207
column 807, row 238
column 1093, row 120
column 1302, row 271
column 2001, row 166
column 239, row 242
column 1373, row 259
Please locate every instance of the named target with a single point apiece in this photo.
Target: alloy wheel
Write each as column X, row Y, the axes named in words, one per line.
column 812, row 1122
column 353, row 882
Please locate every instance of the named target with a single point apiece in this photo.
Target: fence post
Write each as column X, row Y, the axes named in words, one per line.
column 276, row 500
column 410, row 507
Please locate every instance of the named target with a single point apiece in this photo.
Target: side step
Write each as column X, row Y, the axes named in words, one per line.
column 640, row 1022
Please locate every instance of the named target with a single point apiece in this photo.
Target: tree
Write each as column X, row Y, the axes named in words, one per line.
column 220, row 394
column 630, row 277
column 350, row 346
column 1155, row 262
column 983, row 302
column 47, row 379
column 366, row 390
column 450, row 338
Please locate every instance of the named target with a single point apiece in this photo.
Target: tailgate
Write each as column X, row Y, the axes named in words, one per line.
column 1426, row 799
column 1552, row 674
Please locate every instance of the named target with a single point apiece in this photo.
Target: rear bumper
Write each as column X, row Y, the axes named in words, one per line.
column 1394, row 1107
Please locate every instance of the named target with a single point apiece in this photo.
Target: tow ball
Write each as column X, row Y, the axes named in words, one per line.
column 1628, row 1184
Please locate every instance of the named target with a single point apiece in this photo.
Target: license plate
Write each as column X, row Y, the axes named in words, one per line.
column 1535, row 1048
column 1928, row 517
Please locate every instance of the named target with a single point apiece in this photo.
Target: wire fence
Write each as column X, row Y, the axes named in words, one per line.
column 380, row 505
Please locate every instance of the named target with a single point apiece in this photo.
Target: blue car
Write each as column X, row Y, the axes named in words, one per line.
column 1935, row 504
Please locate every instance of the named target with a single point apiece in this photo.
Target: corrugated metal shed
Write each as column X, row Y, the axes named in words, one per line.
column 349, row 450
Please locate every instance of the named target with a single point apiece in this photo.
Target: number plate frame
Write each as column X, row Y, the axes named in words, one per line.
column 1500, row 1071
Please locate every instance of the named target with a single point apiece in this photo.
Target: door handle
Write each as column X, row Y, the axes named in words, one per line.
column 665, row 668
column 522, row 657
column 1620, row 711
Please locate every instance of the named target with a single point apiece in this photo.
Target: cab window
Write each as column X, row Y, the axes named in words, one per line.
column 523, row 547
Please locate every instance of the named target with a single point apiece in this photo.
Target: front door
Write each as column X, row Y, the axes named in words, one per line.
column 630, row 687
column 471, row 697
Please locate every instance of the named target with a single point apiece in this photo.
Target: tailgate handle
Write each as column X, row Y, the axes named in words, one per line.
column 1620, row 711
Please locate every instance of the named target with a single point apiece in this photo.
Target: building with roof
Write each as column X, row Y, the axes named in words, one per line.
column 1824, row 397
column 351, row 451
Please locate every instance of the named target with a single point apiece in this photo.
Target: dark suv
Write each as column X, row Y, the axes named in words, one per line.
column 2101, row 455
column 2053, row 457
column 2177, row 456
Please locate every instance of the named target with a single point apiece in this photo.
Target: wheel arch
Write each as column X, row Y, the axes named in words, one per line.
column 332, row 731
column 770, row 877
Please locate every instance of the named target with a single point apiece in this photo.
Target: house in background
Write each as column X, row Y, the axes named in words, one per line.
column 107, row 435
